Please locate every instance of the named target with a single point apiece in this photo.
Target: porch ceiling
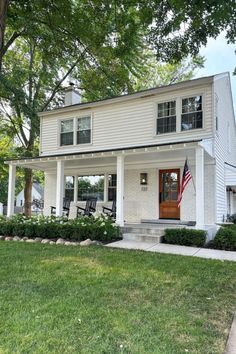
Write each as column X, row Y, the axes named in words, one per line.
column 133, row 156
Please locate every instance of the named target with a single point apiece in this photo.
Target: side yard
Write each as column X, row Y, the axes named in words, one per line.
column 57, row 299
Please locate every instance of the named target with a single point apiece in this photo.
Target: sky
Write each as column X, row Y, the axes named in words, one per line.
column 220, row 57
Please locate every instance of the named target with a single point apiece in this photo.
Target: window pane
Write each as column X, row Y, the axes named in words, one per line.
column 166, row 109
column 84, row 137
column 66, row 138
column 67, row 126
column 192, row 104
column 112, row 187
column 84, row 123
column 191, row 121
column 91, row 187
column 166, row 125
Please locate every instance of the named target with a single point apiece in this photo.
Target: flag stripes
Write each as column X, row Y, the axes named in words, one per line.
column 185, row 179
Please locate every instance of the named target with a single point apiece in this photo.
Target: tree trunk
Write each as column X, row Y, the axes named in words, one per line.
column 3, row 15
column 28, row 191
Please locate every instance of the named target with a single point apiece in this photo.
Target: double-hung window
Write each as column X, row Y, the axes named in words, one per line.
column 191, row 117
column 112, row 181
column 67, row 132
column 166, row 117
column 84, row 130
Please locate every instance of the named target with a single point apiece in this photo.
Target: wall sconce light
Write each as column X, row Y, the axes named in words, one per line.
column 143, row 179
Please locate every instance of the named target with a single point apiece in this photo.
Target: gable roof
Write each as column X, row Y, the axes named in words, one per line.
column 132, row 96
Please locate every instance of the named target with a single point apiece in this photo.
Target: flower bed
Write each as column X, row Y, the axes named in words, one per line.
column 99, row 228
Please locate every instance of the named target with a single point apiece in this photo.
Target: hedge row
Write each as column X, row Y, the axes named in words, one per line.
column 185, row 237
column 94, row 228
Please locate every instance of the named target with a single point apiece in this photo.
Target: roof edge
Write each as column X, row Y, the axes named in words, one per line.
column 130, row 96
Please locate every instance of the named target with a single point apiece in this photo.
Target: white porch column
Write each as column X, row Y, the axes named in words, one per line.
column 75, row 189
column 200, row 209
column 120, row 191
column 11, row 190
column 105, row 187
column 60, row 188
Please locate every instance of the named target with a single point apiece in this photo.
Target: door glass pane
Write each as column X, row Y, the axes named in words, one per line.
column 169, row 186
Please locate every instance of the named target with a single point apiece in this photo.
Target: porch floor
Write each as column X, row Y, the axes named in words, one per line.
column 175, row 249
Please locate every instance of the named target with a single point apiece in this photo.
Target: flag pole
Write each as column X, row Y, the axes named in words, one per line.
column 191, row 174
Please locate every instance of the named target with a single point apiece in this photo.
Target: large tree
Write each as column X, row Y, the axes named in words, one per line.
column 102, row 43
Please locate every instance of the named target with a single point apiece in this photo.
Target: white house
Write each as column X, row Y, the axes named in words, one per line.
column 37, row 193
column 137, row 143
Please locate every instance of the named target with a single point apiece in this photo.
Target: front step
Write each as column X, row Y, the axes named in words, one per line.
column 152, row 238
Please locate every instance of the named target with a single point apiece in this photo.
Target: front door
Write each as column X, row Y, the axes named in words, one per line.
column 169, row 181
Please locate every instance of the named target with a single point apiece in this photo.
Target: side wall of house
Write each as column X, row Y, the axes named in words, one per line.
column 225, row 140
column 127, row 123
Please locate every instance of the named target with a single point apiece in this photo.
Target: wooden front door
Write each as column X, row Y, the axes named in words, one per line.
column 169, row 182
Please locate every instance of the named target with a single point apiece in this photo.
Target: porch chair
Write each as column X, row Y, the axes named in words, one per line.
column 90, row 207
column 110, row 211
column 66, row 207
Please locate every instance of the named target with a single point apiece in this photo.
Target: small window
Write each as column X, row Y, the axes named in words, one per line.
column 69, row 188
column 84, row 130
column 191, row 117
column 166, row 117
column 67, row 132
column 111, row 187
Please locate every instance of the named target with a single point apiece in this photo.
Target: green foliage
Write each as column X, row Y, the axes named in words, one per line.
column 95, row 228
column 186, row 237
column 232, row 218
column 225, row 239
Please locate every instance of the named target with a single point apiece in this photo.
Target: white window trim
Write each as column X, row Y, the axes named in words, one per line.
column 91, row 129
column 166, row 101
column 75, row 119
column 203, row 110
column 59, row 132
column 178, row 100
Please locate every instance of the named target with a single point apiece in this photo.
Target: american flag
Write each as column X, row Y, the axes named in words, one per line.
column 185, row 179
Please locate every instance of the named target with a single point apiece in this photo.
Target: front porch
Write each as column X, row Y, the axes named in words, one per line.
column 135, row 201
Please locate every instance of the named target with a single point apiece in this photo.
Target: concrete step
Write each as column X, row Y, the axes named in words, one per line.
column 158, row 231
column 143, row 237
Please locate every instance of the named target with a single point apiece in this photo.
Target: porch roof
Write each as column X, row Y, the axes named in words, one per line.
column 44, row 162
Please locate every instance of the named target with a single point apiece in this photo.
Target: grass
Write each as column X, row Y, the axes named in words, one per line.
column 57, row 299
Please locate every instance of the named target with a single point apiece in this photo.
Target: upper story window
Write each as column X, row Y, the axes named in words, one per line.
column 84, row 130
column 67, row 132
column 166, row 117
column 191, row 117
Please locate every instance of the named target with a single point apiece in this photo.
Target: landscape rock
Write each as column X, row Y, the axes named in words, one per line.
column 25, row 238
column 22, row 240
column 2, row 238
column 30, row 240
column 60, row 241
column 74, row 243
column 16, row 238
column 52, row 243
column 38, row 239
column 8, row 238
column 87, row 242
column 97, row 243
column 67, row 243
column 45, row 240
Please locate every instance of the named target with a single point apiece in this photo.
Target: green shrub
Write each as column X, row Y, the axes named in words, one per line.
column 185, row 237
column 96, row 228
column 225, row 239
column 232, row 218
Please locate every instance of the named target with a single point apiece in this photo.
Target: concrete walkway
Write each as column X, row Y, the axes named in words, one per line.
column 175, row 249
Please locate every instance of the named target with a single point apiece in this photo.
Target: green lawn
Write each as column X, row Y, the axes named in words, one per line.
column 57, row 299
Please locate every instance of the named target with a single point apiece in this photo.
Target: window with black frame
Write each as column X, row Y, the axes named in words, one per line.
column 84, row 130
column 91, row 187
column 67, row 132
column 112, row 181
column 191, row 117
column 69, row 188
column 166, row 117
